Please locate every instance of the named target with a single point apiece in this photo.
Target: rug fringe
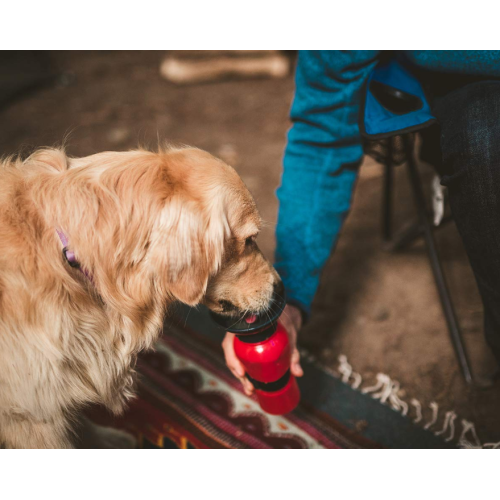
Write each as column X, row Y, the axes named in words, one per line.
column 418, row 410
column 435, row 410
column 387, row 391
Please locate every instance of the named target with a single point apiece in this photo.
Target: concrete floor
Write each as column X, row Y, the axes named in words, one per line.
column 378, row 308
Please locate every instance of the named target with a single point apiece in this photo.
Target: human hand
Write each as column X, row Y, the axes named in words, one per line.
column 291, row 319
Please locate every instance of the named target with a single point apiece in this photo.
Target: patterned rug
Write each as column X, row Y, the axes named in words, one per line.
column 187, row 398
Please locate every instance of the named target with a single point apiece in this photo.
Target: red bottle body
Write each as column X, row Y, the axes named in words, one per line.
column 267, row 361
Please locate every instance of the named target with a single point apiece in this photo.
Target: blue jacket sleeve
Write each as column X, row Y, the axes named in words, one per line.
column 321, row 161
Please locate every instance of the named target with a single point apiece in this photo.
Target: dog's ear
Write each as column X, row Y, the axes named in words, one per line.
column 189, row 242
column 189, row 286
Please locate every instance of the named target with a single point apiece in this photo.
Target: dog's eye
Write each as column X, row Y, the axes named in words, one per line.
column 249, row 241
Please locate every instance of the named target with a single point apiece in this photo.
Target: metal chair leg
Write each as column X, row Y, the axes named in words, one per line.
column 387, row 198
column 444, row 295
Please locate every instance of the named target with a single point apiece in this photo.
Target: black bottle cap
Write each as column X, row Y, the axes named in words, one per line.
column 240, row 325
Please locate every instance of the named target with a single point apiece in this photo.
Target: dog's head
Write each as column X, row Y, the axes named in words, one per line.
column 206, row 237
column 157, row 227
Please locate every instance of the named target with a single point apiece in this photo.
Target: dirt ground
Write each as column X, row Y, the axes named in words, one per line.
column 379, row 308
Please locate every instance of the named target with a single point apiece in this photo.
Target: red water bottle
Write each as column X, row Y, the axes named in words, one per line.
column 261, row 344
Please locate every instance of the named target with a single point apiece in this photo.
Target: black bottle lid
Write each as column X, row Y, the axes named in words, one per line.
column 251, row 323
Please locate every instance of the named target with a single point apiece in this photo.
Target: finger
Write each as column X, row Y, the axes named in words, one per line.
column 233, row 363
column 237, row 372
column 236, row 368
column 295, row 367
column 247, row 386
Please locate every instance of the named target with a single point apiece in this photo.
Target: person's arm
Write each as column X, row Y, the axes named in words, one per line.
column 320, row 167
column 321, row 162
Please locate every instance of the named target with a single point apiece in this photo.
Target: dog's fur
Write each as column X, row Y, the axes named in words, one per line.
column 150, row 229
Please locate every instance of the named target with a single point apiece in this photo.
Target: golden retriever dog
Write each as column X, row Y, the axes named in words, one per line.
column 92, row 253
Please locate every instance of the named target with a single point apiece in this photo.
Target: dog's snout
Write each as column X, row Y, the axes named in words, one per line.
column 279, row 288
column 227, row 306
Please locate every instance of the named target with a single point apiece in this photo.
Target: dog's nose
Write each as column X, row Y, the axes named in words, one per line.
column 279, row 288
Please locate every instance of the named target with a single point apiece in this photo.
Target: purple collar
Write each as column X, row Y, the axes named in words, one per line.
column 70, row 256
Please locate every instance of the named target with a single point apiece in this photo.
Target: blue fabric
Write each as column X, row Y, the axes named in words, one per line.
column 377, row 119
column 324, row 151
column 468, row 62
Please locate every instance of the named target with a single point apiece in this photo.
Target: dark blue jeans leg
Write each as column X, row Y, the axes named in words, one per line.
column 470, row 144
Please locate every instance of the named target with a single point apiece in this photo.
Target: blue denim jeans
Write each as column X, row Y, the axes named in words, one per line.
column 469, row 143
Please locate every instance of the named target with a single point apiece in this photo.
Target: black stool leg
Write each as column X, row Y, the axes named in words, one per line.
column 444, row 294
column 387, row 197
